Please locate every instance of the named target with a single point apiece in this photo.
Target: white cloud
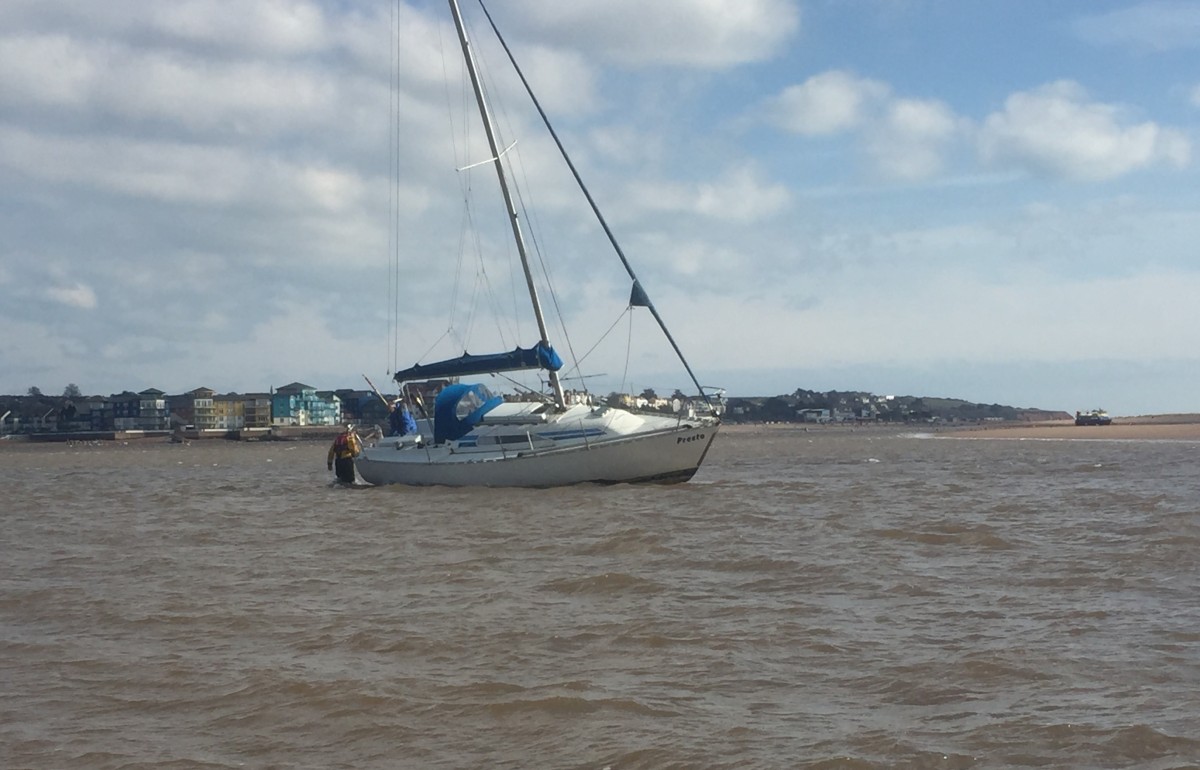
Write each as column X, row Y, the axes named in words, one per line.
column 275, row 26
column 331, row 189
column 195, row 94
column 740, row 195
column 1054, row 130
column 1025, row 318
column 257, row 27
column 156, row 170
column 1157, row 26
column 904, row 138
column 265, row 355
column 50, row 69
column 829, row 103
column 33, row 353
column 625, row 145
column 78, row 295
column 694, row 257
column 708, row 34
column 183, row 173
column 218, row 161
column 564, row 81
column 910, row 140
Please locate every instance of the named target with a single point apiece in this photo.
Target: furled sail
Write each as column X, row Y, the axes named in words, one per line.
column 540, row 356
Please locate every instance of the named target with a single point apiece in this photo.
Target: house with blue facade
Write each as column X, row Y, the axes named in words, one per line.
column 300, row 404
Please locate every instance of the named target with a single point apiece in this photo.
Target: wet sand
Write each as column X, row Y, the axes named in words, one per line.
column 1166, row 427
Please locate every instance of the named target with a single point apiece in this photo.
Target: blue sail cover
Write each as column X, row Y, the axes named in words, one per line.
column 459, row 408
column 537, row 357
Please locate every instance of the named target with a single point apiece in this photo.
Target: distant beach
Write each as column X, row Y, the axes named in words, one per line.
column 1165, row 427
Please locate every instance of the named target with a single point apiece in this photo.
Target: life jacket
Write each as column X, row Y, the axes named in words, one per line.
column 345, row 445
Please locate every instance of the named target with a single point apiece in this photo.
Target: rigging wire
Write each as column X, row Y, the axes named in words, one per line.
column 500, row 121
column 519, row 184
column 591, row 201
column 522, row 386
column 466, row 302
column 464, row 182
column 470, row 246
column 465, row 305
column 393, row 348
column 576, row 367
column 628, row 348
column 546, row 272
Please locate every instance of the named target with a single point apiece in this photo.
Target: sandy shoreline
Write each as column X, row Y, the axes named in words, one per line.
column 1155, row 427
column 1167, row 427
column 1181, row 427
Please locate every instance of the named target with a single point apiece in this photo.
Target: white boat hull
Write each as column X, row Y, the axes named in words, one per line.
column 665, row 455
column 482, row 440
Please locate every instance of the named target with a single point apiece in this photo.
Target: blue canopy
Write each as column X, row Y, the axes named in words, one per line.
column 459, row 408
column 539, row 356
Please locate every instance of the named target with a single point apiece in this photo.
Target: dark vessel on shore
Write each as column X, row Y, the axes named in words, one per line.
column 1094, row 417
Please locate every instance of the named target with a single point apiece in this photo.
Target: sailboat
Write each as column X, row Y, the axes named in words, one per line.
column 475, row 438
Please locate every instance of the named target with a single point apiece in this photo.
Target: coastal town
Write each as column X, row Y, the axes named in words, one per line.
column 290, row 410
column 297, row 409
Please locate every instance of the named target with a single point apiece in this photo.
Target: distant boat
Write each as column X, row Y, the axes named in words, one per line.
column 1094, row 417
column 477, row 439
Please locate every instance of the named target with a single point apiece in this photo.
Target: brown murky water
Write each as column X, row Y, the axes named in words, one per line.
column 824, row 600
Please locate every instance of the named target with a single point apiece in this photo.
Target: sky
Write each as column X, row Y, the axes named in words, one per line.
column 997, row 200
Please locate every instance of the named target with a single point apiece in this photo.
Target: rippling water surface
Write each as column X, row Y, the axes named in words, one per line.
column 831, row 599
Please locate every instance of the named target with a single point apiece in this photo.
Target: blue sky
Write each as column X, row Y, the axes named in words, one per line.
column 995, row 200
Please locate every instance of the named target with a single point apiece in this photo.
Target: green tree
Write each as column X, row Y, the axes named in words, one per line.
column 72, row 391
column 777, row 408
column 34, row 391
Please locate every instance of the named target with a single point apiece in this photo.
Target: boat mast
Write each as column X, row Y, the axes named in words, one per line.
column 637, row 285
column 559, row 398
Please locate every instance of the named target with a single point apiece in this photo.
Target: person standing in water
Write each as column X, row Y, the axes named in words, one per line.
column 345, row 448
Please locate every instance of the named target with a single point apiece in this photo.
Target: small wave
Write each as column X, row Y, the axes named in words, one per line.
column 630, row 541
column 1001, row 672
column 659, row 641
column 981, row 537
column 608, row 583
column 841, row 763
column 488, row 689
column 759, row 565
column 563, row 705
column 910, row 589
column 112, row 759
column 1093, row 745
column 1141, row 742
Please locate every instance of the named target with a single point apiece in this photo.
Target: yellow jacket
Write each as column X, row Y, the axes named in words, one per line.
column 349, row 447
